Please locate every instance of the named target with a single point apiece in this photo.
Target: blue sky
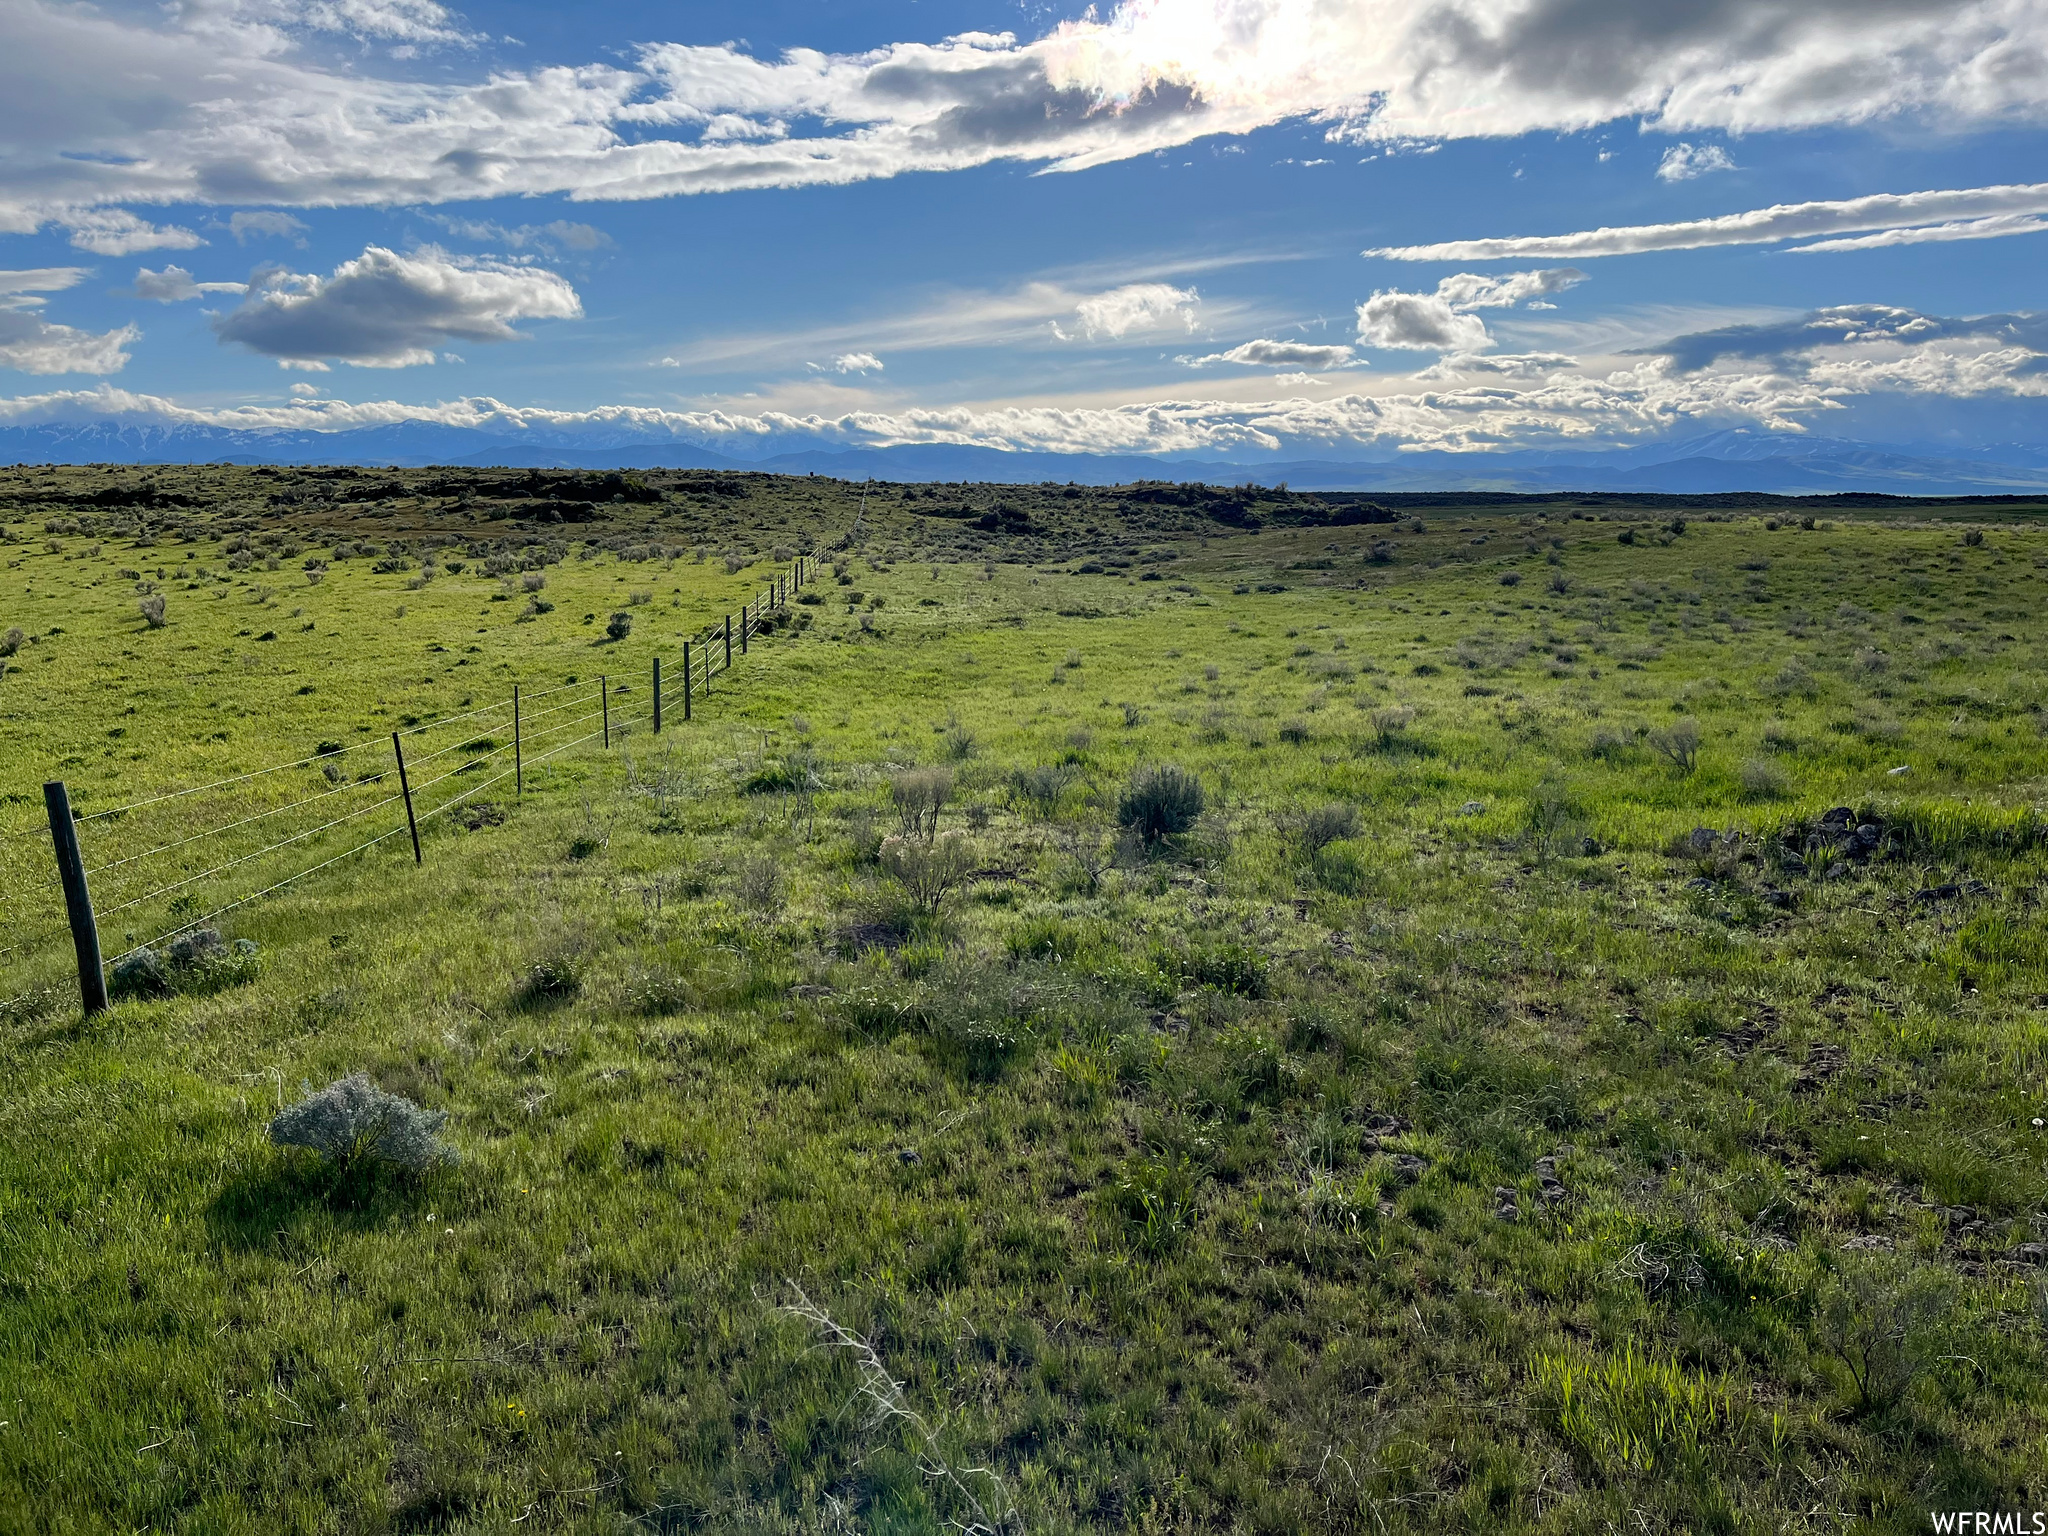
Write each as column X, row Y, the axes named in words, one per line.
column 1233, row 227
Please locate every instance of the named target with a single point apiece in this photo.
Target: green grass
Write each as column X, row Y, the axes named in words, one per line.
column 1165, row 1186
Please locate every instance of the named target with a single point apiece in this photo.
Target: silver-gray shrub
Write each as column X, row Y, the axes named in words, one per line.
column 353, row 1122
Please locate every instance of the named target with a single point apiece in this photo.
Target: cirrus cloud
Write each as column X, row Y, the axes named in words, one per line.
column 1970, row 213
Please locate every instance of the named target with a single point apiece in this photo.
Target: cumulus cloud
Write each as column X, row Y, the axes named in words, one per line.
column 1985, row 211
column 1684, row 162
column 849, row 362
column 1135, row 308
column 175, row 284
column 235, row 112
column 383, row 310
column 1819, row 370
column 1443, row 322
column 30, row 344
column 1278, row 354
column 1419, row 322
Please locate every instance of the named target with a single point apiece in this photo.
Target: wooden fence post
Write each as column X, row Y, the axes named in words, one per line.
column 518, row 766
column 405, row 788
column 657, row 695
column 85, row 928
column 686, row 679
column 743, row 629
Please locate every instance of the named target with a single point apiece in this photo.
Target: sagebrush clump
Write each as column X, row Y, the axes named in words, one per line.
column 1160, row 802
column 353, row 1123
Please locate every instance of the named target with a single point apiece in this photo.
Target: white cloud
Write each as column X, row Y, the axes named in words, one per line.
column 1470, row 290
column 1443, row 322
column 1783, row 382
column 266, row 221
column 1994, row 228
column 30, row 344
column 1684, row 162
column 1782, row 221
column 1278, row 354
column 269, row 22
column 117, row 232
column 850, row 362
column 17, row 287
column 234, row 112
column 1135, row 308
column 1507, row 365
column 383, row 310
column 174, row 284
column 1419, row 322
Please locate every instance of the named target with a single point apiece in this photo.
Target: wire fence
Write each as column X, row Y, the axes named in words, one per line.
column 168, row 863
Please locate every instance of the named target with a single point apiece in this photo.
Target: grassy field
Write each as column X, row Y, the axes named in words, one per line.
column 1513, row 1105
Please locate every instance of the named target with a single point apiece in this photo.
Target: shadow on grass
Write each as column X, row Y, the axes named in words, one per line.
column 297, row 1192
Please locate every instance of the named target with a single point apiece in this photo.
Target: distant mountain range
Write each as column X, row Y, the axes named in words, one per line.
column 1734, row 460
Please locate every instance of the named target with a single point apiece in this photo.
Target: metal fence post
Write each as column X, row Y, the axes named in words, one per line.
column 85, row 928
column 518, row 766
column 686, row 679
column 405, row 788
column 604, row 690
column 657, row 695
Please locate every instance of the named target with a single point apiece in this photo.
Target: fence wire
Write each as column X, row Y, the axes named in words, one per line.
column 525, row 739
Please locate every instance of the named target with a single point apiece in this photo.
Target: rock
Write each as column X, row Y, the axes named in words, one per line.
column 1472, row 808
column 2031, row 1253
column 1792, row 864
column 1699, row 883
column 142, row 974
column 200, row 944
column 1935, row 893
column 1380, row 1123
column 1977, row 888
column 1702, row 839
column 1508, row 1207
column 908, row 1155
column 1840, row 819
column 1868, row 1242
column 1772, row 897
column 1408, row 1167
column 1839, row 870
column 1893, row 773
